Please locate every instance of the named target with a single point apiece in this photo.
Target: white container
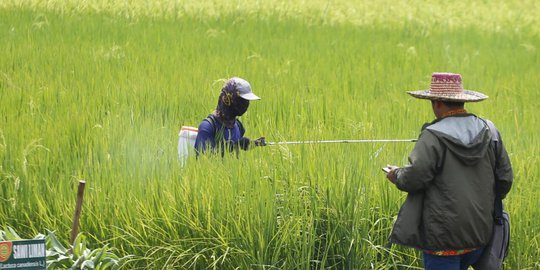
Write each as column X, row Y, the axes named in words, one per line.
column 186, row 143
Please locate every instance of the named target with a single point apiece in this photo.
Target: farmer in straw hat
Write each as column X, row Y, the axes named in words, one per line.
column 450, row 181
column 222, row 130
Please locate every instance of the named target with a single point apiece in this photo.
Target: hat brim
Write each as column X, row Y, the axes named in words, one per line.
column 466, row 96
column 249, row 96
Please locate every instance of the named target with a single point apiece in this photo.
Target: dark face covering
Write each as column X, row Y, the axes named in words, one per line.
column 241, row 106
column 230, row 105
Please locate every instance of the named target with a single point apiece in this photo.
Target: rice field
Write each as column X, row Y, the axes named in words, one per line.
column 97, row 90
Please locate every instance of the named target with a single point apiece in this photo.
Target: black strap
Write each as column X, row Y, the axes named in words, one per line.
column 218, row 134
column 212, row 120
column 241, row 126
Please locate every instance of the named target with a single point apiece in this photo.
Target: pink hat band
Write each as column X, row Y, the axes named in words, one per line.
column 446, row 84
column 448, row 87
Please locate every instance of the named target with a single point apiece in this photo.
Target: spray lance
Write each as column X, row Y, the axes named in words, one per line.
column 342, row 141
column 263, row 142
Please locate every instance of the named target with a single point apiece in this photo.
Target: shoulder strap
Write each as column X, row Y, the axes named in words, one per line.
column 218, row 134
column 241, row 127
column 212, row 120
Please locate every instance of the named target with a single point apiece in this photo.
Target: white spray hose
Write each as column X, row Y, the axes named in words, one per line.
column 342, row 141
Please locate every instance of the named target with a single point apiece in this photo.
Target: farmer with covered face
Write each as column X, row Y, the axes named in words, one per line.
column 451, row 179
column 221, row 131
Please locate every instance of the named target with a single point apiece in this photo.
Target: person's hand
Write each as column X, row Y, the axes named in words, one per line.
column 392, row 174
column 244, row 143
column 260, row 141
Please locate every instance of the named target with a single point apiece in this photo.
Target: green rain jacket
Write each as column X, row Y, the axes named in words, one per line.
column 451, row 185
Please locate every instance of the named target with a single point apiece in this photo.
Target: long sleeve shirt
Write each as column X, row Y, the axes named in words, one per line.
column 211, row 137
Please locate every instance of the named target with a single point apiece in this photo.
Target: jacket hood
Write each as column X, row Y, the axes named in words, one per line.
column 467, row 136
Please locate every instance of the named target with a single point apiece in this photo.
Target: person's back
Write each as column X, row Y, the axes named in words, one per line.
column 452, row 166
column 213, row 135
column 450, row 181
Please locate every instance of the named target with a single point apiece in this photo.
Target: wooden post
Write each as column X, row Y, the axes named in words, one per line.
column 78, row 207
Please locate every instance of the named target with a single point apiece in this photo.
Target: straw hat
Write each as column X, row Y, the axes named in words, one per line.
column 448, row 87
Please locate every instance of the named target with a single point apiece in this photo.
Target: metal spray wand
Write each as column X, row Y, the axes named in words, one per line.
column 341, row 141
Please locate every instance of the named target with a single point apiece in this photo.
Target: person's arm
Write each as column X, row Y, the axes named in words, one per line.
column 423, row 164
column 503, row 169
column 205, row 138
column 245, row 143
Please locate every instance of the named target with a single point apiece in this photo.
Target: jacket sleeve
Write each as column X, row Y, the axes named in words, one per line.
column 205, row 138
column 503, row 169
column 423, row 165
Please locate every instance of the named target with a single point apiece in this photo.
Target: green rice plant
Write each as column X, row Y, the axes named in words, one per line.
column 97, row 91
column 498, row 15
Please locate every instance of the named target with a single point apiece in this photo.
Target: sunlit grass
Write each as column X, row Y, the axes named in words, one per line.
column 101, row 97
column 493, row 16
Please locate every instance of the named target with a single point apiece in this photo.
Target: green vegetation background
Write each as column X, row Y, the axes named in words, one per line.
column 100, row 95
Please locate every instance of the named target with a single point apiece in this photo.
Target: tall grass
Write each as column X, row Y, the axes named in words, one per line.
column 495, row 15
column 100, row 97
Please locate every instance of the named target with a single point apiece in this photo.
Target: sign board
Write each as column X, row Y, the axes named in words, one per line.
column 23, row 254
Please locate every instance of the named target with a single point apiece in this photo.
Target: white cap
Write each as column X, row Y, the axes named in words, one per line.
column 244, row 88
